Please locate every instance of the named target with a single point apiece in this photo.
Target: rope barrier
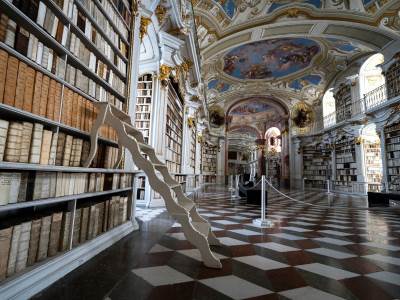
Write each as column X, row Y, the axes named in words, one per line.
column 331, row 207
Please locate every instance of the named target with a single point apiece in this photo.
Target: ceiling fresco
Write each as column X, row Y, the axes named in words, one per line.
column 245, row 131
column 228, row 6
column 278, row 4
column 218, row 85
column 270, row 59
column 299, row 84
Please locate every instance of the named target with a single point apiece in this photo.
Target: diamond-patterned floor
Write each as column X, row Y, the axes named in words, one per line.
column 311, row 252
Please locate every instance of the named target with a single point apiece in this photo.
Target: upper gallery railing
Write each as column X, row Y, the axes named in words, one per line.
column 371, row 100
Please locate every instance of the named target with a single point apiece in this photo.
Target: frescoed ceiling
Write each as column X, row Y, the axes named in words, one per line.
column 273, row 58
column 287, row 50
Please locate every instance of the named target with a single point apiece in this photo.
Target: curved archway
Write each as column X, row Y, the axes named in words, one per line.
column 370, row 75
column 328, row 108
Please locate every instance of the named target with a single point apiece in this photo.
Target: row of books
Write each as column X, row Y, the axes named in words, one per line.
column 394, row 171
column 393, row 128
column 141, row 100
column 346, row 178
column 142, row 108
column 393, row 154
column 346, row 165
column 98, row 40
column 28, row 186
column 103, row 22
column 24, row 244
column 26, row 43
column 122, row 8
column 393, row 147
column 32, row 91
column 173, row 167
column 393, row 163
column 25, row 142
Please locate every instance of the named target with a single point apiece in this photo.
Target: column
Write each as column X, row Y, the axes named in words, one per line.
column 221, row 161
column 296, row 174
column 381, row 134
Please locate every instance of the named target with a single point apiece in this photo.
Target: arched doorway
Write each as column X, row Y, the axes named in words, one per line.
column 273, row 155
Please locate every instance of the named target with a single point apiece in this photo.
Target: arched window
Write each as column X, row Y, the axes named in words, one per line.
column 329, row 108
column 371, row 76
column 272, row 135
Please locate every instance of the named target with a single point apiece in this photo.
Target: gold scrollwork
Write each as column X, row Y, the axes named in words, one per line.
column 144, row 23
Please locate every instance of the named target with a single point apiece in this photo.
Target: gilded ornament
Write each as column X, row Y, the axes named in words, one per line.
column 302, row 115
column 358, row 140
column 293, row 13
column 191, row 122
column 144, row 23
column 161, row 12
column 165, row 72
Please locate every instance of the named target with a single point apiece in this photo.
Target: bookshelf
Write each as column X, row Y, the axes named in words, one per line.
column 193, row 137
column 393, row 80
column 317, row 166
column 343, row 102
column 144, row 104
column 140, row 188
column 392, row 142
column 346, row 167
column 173, row 132
column 373, row 165
column 209, row 159
column 56, row 60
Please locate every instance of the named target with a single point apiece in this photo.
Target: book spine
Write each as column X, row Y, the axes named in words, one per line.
column 44, row 238
column 3, row 137
column 23, row 246
column 37, row 135
column 12, row 257
column 34, row 242
column 55, row 233
column 5, row 246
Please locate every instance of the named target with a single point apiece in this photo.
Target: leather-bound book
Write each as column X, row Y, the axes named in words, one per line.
column 29, row 89
column 84, row 224
column 21, row 80
column 23, row 188
column 3, row 72
column 51, row 99
column 11, row 81
column 67, row 150
column 34, row 242
column 106, row 215
column 12, row 151
column 46, row 145
column 53, row 184
column 77, row 226
column 91, row 222
column 22, row 41
column 75, row 107
column 26, row 142
column 44, row 238
column 78, row 152
column 85, row 152
column 5, row 245
column 60, row 148
column 34, row 105
column 44, row 96
column 23, row 247
column 12, row 256
column 55, row 233
column 38, row 184
column 10, row 34
column 101, row 217
column 37, row 135
column 3, row 137
column 53, row 149
column 3, row 27
column 65, row 229
column 57, row 102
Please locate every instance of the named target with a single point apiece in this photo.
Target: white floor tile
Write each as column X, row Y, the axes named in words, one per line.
column 224, row 222
column 331, row 253
column 333, row 241
column 177, row 235
column 297, row 229
column 389, row 277
column 245, row 232
column 334, row 232
column 308, row 293
column 162, row 275
column 382, row 246
column 301, row 223
column 209, row 215
column 287, row 236
column 327, row 271
column 384, row 258
column 336, row 226
column 277, row 247
column 261, row 262
column 195, row 254
column 235, row 287
column 227, row 241
column 158, row 248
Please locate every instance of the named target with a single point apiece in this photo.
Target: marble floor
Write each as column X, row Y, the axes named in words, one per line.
column 311, row 252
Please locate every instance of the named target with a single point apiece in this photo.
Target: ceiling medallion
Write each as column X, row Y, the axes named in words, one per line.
column 217, row 116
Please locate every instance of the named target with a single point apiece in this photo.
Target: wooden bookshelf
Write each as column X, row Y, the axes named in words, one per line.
column 144, row 104
column 58, row 58
column 393, row 80
column 209, row 159
column 317, row 166
column 173, row 132
column 193, row 147
column 392, row 141
column 343, row 102
column 346, row 167
column 373, row 165
column 140, row 187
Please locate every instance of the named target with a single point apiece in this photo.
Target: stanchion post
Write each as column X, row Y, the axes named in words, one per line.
column 263, row 198
column 328, row 186
column 237, row 186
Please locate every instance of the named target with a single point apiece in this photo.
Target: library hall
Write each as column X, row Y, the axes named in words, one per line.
column 199, row 149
